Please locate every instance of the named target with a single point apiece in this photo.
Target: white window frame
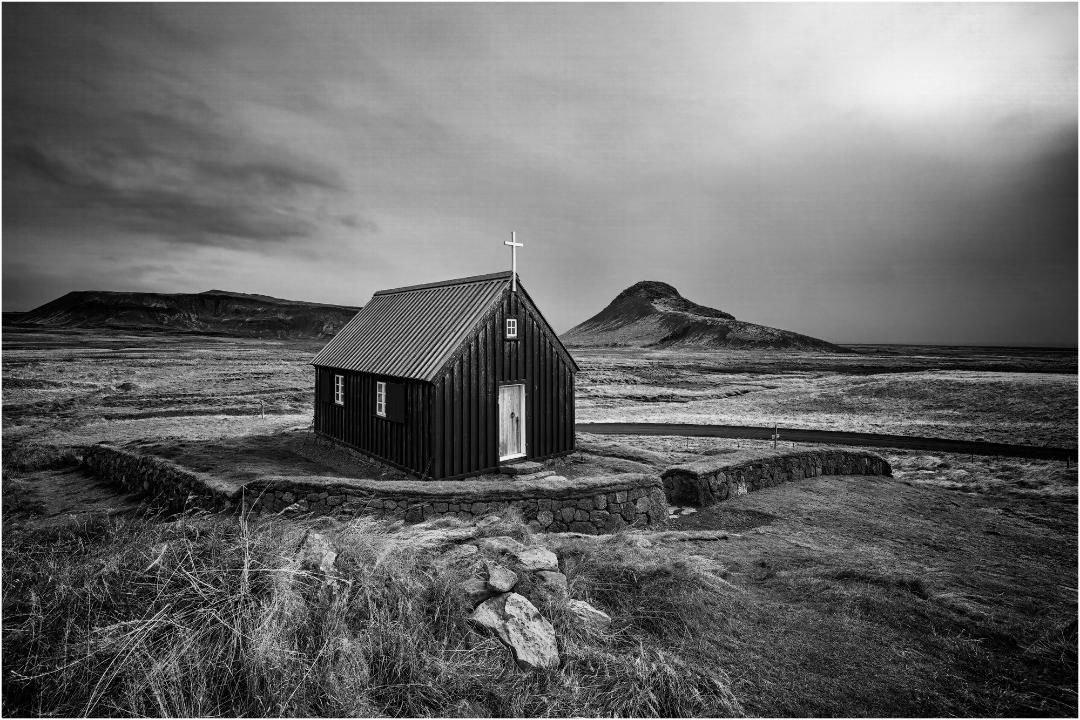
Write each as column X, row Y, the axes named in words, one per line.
column 380, row 399
column 511, row 328
column 339, row 389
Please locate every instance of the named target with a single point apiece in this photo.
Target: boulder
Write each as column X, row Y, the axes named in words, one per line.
column 522, row 628
column 530, row 558
column 537, row 558
column 501, row 544
column 588, row 614
column 500, row 579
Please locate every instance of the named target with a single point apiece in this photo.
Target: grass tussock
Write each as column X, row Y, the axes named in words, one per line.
column 206, row 616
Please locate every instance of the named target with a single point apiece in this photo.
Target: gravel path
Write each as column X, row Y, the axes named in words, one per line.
column 831, row 436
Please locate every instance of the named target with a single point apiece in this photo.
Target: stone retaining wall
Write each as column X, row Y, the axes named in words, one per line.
column 164, row 481
column 713, row 480
column 588, row 505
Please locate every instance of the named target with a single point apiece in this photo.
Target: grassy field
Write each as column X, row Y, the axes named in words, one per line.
column 1021, row 401
column 867, row 596
column 949, row 589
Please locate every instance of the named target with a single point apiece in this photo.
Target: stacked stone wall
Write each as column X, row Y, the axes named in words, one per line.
column 167, row 483
column 714, row 480
column 588, row 505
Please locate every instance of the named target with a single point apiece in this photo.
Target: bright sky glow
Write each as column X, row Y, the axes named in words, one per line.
column 858, row 172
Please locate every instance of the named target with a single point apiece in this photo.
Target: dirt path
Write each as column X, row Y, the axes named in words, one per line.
column 831, row 436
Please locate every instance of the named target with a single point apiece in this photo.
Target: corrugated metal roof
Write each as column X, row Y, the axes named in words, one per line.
column 411, row 332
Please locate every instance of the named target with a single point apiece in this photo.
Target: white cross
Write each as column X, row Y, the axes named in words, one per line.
column 514, row 245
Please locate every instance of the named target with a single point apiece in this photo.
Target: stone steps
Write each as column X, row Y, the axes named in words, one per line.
column 524, row 467
column 535, row 475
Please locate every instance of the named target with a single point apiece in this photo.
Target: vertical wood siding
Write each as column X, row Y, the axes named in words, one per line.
column 452, row 424
column 407, row 444
column 465, row 431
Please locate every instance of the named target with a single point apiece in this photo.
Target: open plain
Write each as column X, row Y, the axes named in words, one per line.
column 947, row 589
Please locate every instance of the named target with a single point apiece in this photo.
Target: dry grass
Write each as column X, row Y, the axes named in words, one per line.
column 1012, row 477
column 69, row 386
column 871, row 597
column 893, row 395
column 209, row 616
column 950, row 590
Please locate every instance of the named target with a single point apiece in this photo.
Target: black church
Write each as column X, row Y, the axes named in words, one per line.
column 448, row 379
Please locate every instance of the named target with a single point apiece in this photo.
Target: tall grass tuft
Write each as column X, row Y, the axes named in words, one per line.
column 209, row 615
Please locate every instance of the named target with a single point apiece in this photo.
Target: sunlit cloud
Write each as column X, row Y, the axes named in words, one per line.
column 858, row 172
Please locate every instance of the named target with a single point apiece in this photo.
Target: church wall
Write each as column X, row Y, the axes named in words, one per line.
column 465, row 418
column 404, row 444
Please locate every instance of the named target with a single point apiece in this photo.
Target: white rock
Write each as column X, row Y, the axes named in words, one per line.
column 588, row 614
column 502, row 543
column 434, row 537
column 520, row 626
column 537, row 558
column 501, row 579
column 487, row 521
column 530, row 558
column 489, row 614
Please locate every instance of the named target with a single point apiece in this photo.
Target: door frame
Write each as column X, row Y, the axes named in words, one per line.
column 524, row 405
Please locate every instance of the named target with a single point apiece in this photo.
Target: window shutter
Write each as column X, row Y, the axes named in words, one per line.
column 326, row 385
column 395, row 402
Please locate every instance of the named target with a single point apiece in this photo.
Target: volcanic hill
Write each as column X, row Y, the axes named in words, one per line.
column 216, row 312
column 653, row 314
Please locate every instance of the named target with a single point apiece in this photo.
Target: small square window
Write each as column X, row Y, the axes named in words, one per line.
column 511, row 328
column 380, row 399
column 339, row 389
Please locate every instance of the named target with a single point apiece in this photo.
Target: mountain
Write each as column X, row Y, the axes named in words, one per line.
column 217, row 312
column 653, row 314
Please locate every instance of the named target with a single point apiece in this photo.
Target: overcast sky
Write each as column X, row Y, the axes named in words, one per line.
column 860, row 173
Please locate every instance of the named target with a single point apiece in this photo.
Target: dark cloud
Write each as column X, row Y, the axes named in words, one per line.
column 216, row 202
column 135, row 148
column 888, row 172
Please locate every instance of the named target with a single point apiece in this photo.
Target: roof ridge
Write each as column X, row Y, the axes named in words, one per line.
column 504, row 275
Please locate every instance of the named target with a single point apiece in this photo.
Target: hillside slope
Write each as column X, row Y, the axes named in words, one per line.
column 213, row 312
column 654, row 314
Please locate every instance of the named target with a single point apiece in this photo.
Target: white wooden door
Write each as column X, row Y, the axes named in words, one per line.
column 511, row 421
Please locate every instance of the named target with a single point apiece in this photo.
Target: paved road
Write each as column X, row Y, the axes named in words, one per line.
column 831, row 436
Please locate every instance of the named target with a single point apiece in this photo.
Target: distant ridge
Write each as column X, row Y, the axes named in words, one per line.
column 218, row 312
column 654, row 314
